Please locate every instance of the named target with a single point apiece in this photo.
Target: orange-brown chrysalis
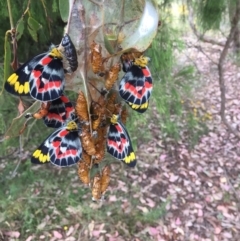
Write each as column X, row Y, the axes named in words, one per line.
column 100, row 152
column 110, row 106
column 96, row 187
column 100, row 144
column 124, row 115
column 97, row 59
column 112, row 76
column 95, row 115
column 83, row 172
column 96, row 122
column 97, row 112
column 86, row 158
column 87, row 142
column 105, row 179
column 81, row 107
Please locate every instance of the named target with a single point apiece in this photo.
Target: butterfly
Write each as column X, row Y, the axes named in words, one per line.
column 62, row 148
column 42, row 77
column 118, row 142
column 59, row 112
column 70, row 52
column 136, row 85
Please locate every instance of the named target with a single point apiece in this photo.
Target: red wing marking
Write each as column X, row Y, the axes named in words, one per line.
column 68, row 111
column 64, row 99
column 65, row 154
column 46, row 86
column 55, row 116
column 56, row 144
column 116, row 145
column 135, row 90
column 63, row 133
column 146, row 72
column 119, row 128
column 46, row 60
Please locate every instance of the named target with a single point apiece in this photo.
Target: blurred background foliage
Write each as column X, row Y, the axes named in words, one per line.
column 39, row 27
column 210, row 13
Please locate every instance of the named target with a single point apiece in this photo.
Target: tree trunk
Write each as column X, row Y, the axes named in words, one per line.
column 231, row 11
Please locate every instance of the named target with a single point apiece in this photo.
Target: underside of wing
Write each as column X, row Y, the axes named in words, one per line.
column 67, row 150
column 47, row 79
column 41, row 154
column 139, row 108
column 18, row 82
column 135, row 86
column 119, row 144
column 60, row 110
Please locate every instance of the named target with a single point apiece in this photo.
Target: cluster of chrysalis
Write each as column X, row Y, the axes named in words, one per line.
column 83, row 132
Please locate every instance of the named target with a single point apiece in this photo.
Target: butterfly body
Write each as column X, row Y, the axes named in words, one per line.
column 70, row 52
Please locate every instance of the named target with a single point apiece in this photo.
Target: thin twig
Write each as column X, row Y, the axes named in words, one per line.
column 16, row 168
column 201, row 50
column 23, row 15
column 10, row 14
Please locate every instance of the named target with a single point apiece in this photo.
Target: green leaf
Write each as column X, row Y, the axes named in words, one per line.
column 54, row 6
column 20, row 29
column 64, row 10
column 33, row 24
column 7, row 57
column 33, row 27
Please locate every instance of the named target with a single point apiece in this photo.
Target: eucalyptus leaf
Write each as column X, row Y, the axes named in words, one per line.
column 33, row 34
column 33, row 27
column 64, row 9
column 34, row 24
column 20, row 29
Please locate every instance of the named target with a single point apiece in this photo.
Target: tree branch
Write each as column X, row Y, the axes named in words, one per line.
column 195, row 31
column 220, row 70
